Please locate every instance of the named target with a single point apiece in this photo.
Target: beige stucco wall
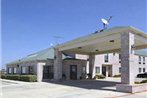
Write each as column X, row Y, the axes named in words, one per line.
column 80, row 64
column 114, row 61
column 99, row 61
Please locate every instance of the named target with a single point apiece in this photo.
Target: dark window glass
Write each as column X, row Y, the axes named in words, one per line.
column 143, row 69
column 139, row 70
column 97, row 70
column 139, row 60
column 31, row 70
column 119, row 69
column 143, row 60
column 106, row 58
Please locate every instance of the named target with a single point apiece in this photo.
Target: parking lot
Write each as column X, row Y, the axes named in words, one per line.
column 66, row 89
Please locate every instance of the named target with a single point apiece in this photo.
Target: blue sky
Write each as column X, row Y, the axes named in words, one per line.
column 30, row 25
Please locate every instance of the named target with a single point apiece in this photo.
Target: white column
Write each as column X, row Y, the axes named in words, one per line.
column 40, row 71
column 128, row 66
column 91, row 65
column 58, row 65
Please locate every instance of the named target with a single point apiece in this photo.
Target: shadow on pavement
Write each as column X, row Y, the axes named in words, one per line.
column 89, row 84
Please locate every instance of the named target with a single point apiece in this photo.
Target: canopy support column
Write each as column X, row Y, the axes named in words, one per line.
column 91, row 65
column 58, row 65
column 128, row 65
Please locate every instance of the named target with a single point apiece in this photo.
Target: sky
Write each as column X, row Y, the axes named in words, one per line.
column 29, row 26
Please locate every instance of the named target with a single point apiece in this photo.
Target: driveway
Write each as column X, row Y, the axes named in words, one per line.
column 66, row 89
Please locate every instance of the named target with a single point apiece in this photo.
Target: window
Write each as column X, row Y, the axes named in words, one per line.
column 119, row 69
column 113, row 54
column 143, row 60
column 9, row 70
column 139, row 70
column 106, row 57
column 143, row 69
column 119, row 58
column 14, row 70
column 139, row 60
column 23, row 70
column 97, row 70
column 30, row 68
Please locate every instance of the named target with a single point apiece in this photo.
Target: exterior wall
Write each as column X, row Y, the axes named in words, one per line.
column 99, row 62
column 23, row 64
column 38, row 67
column 114, row 61
column 80, row 64
column 27, row 64
column 141, row 65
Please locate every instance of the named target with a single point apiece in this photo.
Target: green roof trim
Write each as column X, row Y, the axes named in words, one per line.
column 142, row 52
column 41, row 55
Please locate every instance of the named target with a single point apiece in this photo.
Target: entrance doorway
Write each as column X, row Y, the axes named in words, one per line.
column 107, row 70
column 73, row 72
column 48, row 72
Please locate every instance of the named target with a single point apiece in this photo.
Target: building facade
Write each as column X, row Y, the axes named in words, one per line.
column 42, row 65
column 109, row 65
column 123, row 39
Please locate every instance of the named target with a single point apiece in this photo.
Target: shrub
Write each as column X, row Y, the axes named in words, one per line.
column 116, row 76
column 137, row 83
column 27, row 78
column 143, row 81
column 99, row 77
column 13, row 77
column 3, row 76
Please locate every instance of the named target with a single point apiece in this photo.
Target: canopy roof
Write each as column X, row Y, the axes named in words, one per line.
column 106, row 41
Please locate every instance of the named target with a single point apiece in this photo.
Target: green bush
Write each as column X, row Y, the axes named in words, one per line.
column 3, row 76
column 99, row 77
column 143, row 81
column 137, row 83
column 27, row 78
column 116, row 76
column 13, row 77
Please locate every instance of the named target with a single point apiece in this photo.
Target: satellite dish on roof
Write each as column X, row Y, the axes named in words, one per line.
column 105, row 22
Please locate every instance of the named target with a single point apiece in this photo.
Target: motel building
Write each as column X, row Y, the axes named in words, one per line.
column 114, row 51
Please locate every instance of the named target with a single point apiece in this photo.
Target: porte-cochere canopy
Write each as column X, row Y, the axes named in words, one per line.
column 106, row 41
column 118, row 39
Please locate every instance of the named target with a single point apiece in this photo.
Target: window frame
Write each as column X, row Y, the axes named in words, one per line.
column 23, row 70
column 139, row 59
column 97, row 70
column 143, row 60
column 14, row 70
column 140, row 70
column 106, row 58
column 9, row 70
column 143, row 69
